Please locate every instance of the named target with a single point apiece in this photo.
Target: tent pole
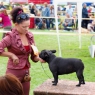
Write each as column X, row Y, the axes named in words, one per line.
column 79, row 10
column 57, row 30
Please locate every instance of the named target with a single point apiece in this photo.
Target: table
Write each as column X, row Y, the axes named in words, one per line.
column 65, row 87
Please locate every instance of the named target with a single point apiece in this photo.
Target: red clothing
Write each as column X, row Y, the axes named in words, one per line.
column 13, row 43
column 20, row 73
column 27, row 49
column 89, row 11
column 6, row 21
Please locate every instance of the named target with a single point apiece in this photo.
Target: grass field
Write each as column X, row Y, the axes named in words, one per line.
column 69, row 48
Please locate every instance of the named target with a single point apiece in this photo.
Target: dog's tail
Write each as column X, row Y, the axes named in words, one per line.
column 81, row 62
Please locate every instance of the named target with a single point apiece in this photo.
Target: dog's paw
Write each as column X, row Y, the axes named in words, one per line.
column 78, row 85
column 53, row 81
column 54, row 84
column 82, row 82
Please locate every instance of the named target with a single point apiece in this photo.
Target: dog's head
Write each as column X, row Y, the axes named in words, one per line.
column 45, row 54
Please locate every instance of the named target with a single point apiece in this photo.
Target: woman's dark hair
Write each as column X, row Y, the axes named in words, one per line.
column 10, row 85
column 18, row 15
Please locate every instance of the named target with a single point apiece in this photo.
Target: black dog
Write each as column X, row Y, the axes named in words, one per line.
column 59, row 66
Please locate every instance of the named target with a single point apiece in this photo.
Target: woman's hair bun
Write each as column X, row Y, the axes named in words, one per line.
column 15, row 12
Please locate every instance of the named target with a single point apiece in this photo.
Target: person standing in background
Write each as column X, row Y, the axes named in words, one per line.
column 2, row 6
column 85, row 15
column 33, row 10
column 46, row 13
column 6, row 21
column 52, row 14
column 69, row 10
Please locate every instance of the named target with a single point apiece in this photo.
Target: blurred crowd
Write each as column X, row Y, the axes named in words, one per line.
column 43, row 16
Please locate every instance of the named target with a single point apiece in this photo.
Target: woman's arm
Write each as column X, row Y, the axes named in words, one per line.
column 11, row 55
column 5, row 42
column 36, row 58
column 6, row 54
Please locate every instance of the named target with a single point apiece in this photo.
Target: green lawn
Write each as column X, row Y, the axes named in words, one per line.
column 69, row 48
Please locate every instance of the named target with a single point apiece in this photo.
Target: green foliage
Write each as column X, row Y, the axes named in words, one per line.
column 69, row 48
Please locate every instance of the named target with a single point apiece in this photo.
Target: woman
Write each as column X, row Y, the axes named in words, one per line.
column 33, row 10
column 91, row 26
column 46, row 13
column 6, row 21
column 52, row 20
column 10, row 85
column 18, row 42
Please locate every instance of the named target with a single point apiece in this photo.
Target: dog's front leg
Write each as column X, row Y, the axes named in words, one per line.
column 55, row 75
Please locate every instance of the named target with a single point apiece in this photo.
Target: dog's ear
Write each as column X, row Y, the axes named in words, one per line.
column 53, row 51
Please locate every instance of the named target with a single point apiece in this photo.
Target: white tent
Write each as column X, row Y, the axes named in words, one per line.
column 79, row 10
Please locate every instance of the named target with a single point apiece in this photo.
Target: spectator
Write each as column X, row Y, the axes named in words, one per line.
column 76, row 16
column 84, row 15
column 91, row 26
column 37, row 21
column 46, row 13
column 10, row 85
column 52, row 14
column 33, row 9
column 90, row 12
column 13, row 5
column 30, row 4
column 68, row 23
column 2, row 6
column 6, row 21
column 40, row 22
column 46, row 10
column 58, row 8
column 69, row 10
column 18, row 43
column 89, row 9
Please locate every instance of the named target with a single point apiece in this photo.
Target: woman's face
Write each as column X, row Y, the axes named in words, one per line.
column 23, row 27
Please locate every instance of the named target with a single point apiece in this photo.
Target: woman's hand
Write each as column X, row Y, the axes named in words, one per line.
column 11, row 55
column 41, row 60
column 15, row 59
column 37, row 58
